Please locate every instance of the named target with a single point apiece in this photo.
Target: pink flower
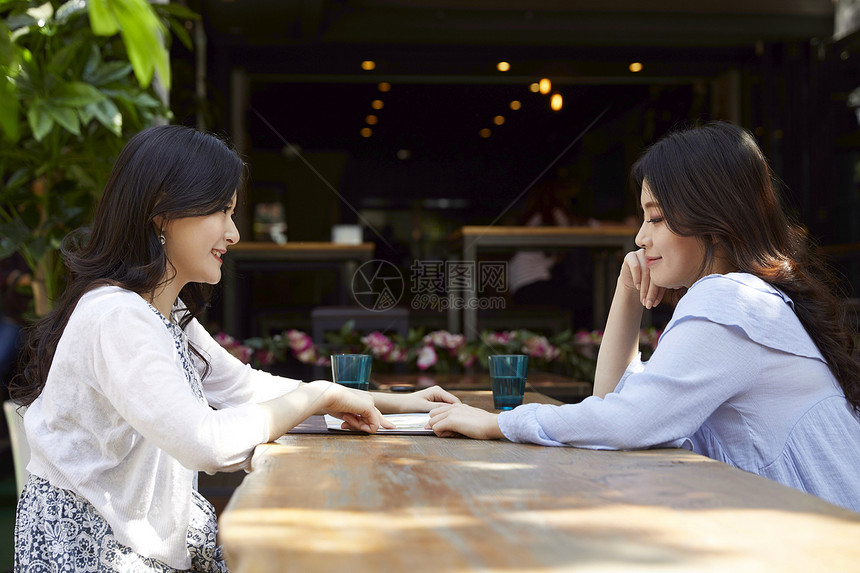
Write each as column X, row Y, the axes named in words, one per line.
column 444, row 339
column 243, row 353
column 650, row 337
column 230, row 344
column 308, row 356
column 467, row 359
column 582, row 337
column 299, row 341
column 380, row 345
column 434, row 338
column 426, row 357
column 454, row 341
column 539, row 347
column 224, row 339
column 265, row 357
column 587, row 343
column 398, row 355
column 501, row 337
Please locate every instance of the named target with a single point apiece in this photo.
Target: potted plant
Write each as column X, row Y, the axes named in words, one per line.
column 76, row 81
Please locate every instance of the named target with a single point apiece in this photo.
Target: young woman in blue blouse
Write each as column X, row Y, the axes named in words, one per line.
column 754, row 369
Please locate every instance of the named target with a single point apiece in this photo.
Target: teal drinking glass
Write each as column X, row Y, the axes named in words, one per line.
column 508, row 379
column 351, row 370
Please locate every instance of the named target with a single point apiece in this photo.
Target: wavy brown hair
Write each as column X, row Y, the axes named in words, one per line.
column 163, row 173
column 714, row 183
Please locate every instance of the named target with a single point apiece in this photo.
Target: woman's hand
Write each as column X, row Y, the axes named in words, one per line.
column 453, row 419
column 356, row 408
column 636, row 277
column 420, row 401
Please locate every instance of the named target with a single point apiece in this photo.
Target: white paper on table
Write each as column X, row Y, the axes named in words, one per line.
column 412, row 423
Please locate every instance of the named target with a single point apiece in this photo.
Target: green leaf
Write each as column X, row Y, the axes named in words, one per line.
column 40, row 121
column 86, row 114
column 180, row 32
column 347, row 327
column 102, row 20
column 43, row 12
column 69, row 9
column 7, row 248
column 94, row 62
column 8, row 51
column 177, row 11
column 143, row 35
column 37, row 246
column 109, row 72
column 9, row 107
column 108, row 115
column 17, row 179
column 143, row 99
column 66, row 117
column 65, row 57
column 129, row 108
column 76, row 94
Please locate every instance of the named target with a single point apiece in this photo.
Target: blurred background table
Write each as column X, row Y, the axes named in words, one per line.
column 246, row 258
column 606, row 238
column 359, row 503
column 555, row 386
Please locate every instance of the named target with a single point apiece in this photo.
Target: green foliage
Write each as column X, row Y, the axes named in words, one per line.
column 75, row 84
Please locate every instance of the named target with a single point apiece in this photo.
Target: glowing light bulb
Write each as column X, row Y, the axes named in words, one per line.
column 485, row 133
column 635, row 67
column 515, row 105
column 377, row 104
column 499, row 119
column 366, row 132
column 544, row 86
column 503, row 66
column 556, row 102
column 384, row 86
column 371, row 120
column 368, row 65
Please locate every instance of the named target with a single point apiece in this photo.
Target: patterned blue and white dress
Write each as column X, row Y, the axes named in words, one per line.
column 58, row 530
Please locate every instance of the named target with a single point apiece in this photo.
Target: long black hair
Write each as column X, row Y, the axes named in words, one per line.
column 714, row 183
column 163, row 173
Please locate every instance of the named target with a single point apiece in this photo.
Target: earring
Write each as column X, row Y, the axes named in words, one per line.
column 161, row 238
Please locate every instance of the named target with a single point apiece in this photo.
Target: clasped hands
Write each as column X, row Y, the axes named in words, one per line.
column 362, row 411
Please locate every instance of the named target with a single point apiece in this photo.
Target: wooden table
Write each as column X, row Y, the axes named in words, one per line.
column 253, row 257
column 612, row 237
column 357, row 503
column 553, row 385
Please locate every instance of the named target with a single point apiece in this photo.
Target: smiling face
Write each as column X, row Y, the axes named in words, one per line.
column 195, row 245
column 674, row 261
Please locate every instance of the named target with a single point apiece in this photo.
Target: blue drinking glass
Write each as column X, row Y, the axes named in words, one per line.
column 351, row 370
column 508, row 379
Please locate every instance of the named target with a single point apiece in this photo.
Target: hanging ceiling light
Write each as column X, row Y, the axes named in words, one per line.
column 545, row 86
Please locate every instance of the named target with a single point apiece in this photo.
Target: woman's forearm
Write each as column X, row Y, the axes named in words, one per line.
column 620, row 339
column 387, row 403
column 288, row 411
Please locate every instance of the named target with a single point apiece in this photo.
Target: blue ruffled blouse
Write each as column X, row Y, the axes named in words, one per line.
column 736, row 378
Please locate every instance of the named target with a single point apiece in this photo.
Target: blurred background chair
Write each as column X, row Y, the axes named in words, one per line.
column 20, row 448
column 332, row 318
